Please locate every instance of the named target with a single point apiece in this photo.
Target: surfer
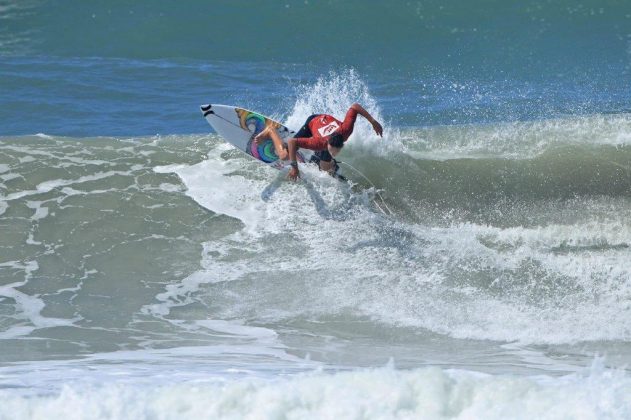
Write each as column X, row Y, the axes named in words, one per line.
column 321, row 133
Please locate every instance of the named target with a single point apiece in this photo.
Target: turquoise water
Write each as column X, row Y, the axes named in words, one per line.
column 149, row 270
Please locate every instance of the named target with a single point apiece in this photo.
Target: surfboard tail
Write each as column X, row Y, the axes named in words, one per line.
column 206, row 109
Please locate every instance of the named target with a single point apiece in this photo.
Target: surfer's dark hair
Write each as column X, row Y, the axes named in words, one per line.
column 336, row 140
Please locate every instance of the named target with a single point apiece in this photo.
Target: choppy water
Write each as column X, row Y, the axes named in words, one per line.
column 149, row 270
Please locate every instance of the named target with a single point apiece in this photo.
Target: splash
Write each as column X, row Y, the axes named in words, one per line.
column 333, row 94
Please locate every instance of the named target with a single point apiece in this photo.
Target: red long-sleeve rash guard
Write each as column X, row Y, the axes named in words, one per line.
column 323, row 126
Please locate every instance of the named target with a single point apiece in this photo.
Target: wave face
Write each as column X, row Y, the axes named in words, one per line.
column 513, row 232
column 526, row 243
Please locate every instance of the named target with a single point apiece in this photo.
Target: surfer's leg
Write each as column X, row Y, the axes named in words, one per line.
column 270, row 133
column 279, row 146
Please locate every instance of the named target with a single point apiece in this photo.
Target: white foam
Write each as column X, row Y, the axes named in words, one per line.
column 428, row 393
column 170, row 187
column 29, row 151
column 66, row 159
column 50, row 185
column 399, row 290
column 10, row 176
column 47, row 186
column 237, row 328
column 295, row 208
column 29, row 307
column 27, row 159
column 210, row 184
column 31, row 240
column 590, row 292
column 179, row 294
column 40, row 212
column 4, row 168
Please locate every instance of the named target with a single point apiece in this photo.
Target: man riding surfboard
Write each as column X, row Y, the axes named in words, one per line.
column 322, row 133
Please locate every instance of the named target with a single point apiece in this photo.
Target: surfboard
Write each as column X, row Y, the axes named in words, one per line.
column 239, row 126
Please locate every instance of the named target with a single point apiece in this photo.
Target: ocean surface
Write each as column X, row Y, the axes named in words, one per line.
column 478, row 264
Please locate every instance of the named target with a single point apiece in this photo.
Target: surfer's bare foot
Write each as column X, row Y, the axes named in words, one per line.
column 262, row 135
column 270, row 133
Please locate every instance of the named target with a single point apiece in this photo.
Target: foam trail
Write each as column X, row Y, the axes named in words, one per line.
column 222, row 194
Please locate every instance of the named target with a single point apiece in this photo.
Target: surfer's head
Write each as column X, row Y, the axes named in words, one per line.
column 336, row 142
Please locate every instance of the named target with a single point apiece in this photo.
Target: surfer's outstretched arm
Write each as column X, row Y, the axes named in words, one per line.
column 375, row 124
column 279, row 147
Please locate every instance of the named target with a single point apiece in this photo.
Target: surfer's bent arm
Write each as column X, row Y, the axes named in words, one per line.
column 293, row 144
column 355, row 109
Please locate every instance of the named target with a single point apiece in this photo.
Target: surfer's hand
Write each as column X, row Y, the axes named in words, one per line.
column 377, row 127
column 294, row 173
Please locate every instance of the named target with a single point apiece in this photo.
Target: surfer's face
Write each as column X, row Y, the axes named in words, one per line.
column 334, row 150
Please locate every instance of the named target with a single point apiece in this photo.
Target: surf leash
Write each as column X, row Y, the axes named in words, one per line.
column 389, row 212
